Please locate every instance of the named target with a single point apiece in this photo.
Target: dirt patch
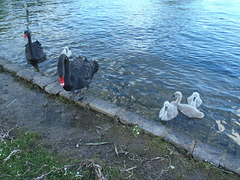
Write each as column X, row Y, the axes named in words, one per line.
column 74, row 132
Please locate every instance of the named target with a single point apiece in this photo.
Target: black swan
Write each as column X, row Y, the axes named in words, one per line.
column 33, row 51
column 76, row 74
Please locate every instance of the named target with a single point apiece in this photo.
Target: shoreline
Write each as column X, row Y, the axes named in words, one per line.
column 199, row 151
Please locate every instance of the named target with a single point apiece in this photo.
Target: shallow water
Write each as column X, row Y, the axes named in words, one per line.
column 147, row 50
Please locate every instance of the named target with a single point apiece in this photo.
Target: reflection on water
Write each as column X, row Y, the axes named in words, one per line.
column 221, row 127
column 235, row 136
column 147, row 50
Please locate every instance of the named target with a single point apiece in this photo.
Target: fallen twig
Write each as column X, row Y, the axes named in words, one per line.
column 43, row 166
column 115, row 148
column 6, row 135
column 121, row 151
column 98, row 170
column 12, row 102
column 54, row 169
column 43, row 175
column 129, row 170
column 12, row 153
column 92, row 144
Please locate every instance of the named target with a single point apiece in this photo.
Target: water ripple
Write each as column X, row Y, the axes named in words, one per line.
column 147, row 50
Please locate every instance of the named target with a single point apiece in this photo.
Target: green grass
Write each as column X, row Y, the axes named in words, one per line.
column 31, row 160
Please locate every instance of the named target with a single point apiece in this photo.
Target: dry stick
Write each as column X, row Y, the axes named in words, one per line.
column 115, row 148
column 43, row 166
column 12, row 153
column 25, row 171
column 5, row 135
column 98, row 170
column 169, row 165
column 93, row 144
column 12, row 102
column 122, row 151
column 44, row 175
column 129, row 169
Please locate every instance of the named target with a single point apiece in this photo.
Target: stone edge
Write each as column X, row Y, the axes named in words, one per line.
column 199, row 150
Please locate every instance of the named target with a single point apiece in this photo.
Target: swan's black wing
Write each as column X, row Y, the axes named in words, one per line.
column 38, row 51
column 82, row 72
column 28, row 53
column 38, row 54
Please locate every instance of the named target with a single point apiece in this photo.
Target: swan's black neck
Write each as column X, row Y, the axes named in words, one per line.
column 29, row 40
column 63, row 71
column 30, row 45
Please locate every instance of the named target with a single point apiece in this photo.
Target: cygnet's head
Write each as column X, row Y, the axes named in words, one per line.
column 166, row 105
column 195, row 95
column 178, row 94
column 66, row 51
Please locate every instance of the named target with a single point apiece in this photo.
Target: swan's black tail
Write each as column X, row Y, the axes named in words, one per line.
column 95, row 66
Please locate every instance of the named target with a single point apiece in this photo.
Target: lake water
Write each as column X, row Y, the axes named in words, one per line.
column 147, row 50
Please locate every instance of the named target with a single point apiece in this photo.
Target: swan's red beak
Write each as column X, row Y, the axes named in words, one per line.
column 25, row 36
column 61, row 81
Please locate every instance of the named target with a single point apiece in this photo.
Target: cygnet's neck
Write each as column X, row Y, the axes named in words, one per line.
column 179, row 98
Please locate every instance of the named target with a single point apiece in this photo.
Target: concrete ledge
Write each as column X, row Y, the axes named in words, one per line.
column 128, row 117
column 4, row 61
column 42, row 81
column 180, row 140
column 53, row 88
column 105, row 107
column 12, row 67
column 28, row 74
column 152, row 127
column 206, row 152
column 231, row 162
column 66, row 94
column 86, row 101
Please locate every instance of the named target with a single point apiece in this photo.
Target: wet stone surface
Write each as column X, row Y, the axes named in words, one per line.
column 4, row 61
column 42, row 81
column 105, row 107
column 180, row 140
column 207, row 153
column 232, row 162
column 128, row 117
column 152, row 127
column 28, row 74
column 12, row 67
column 54, row 88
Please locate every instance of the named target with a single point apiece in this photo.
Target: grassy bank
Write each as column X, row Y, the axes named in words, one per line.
column 23, row 156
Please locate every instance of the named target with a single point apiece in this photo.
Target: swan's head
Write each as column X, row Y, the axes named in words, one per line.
column 66, row 51
column 26, row 34
column 177, row 94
